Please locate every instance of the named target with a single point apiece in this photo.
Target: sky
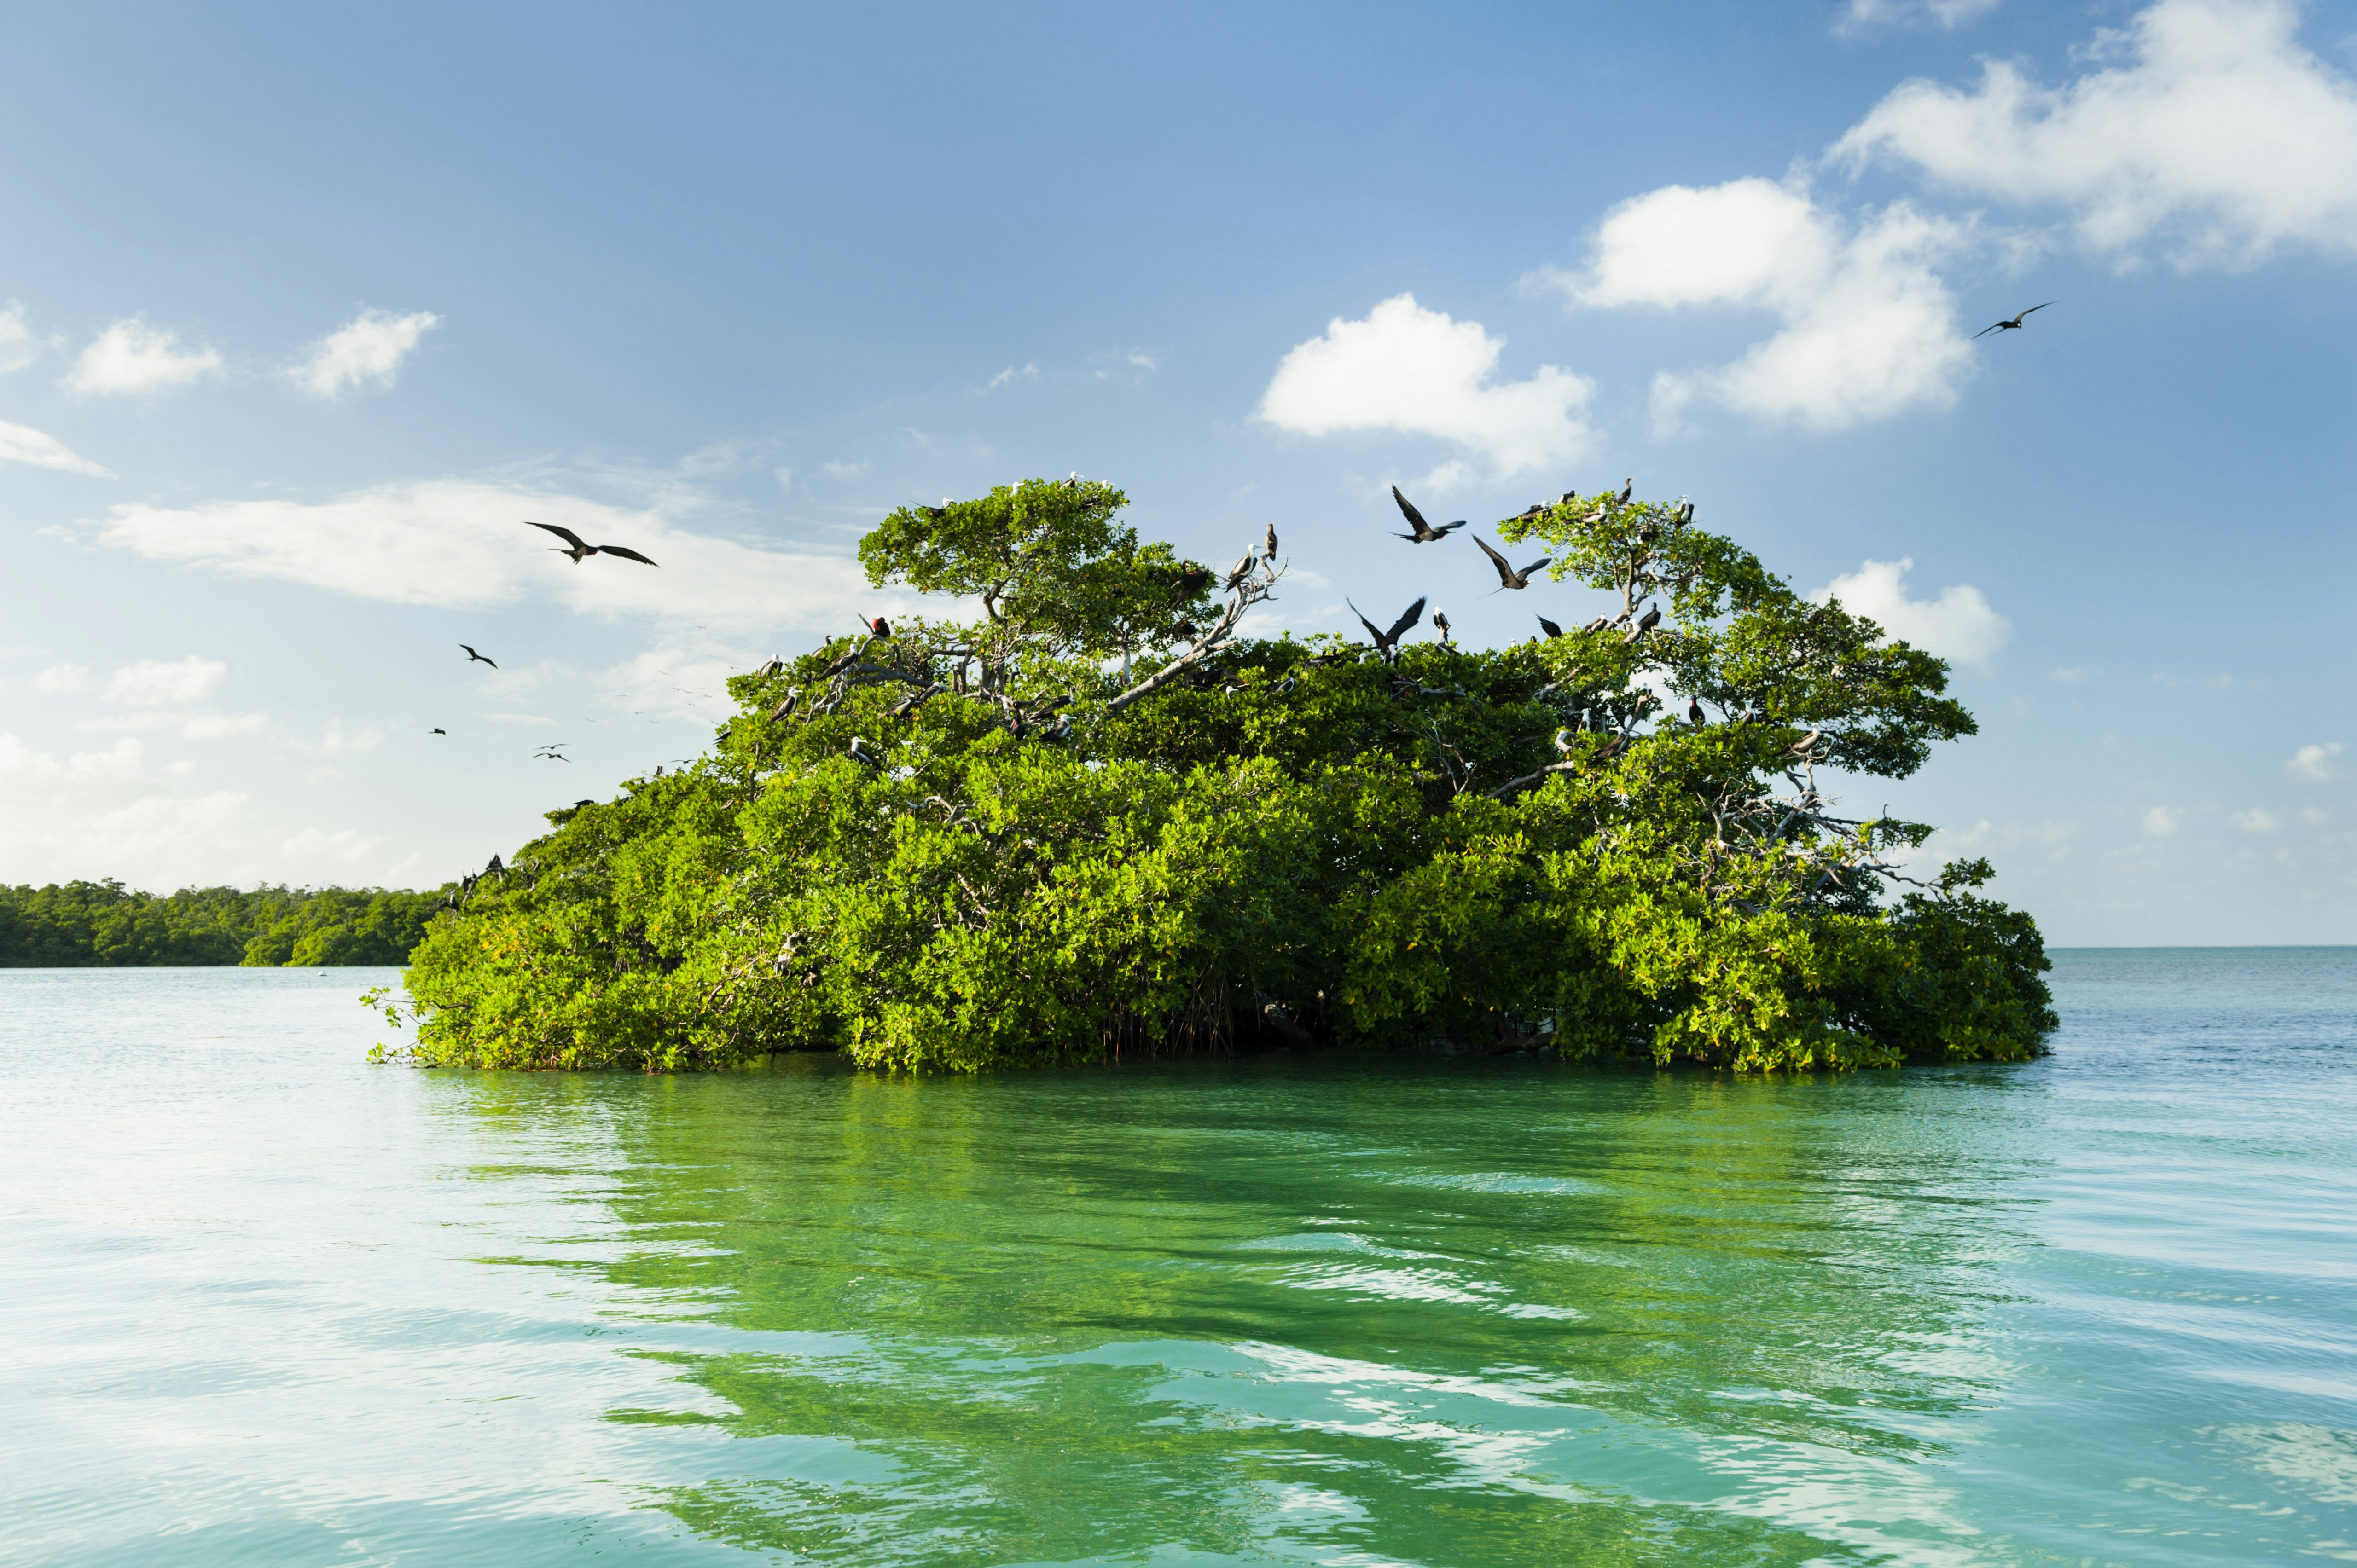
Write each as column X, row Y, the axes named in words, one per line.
column 304, row 310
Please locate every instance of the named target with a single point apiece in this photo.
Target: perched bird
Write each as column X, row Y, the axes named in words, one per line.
column 1685, row 513
column 1563, row 741
column 936, row 513
column 495, row 869
column 1241, row 570
column 1285, row 687
column 1598, row 624
column 1425, row 532
column 1192, row 581
column 859, row 753
column 786, row 708
column 1695, row 714
column 581, row 550
column 474, row 658
column 1566, row 498
column 1059, row 729
column 1268, row 545
column 843, row 661
column 2012, row 326
column 438, row 730
column 878, row 627
column 1628, row 489
column 1808, row 743
column 1549, row 627
column 1386, row 640
column 1507, row 577
column 768, row 667
column 1441, row 622
column 1536, row 509
column 1645, row 623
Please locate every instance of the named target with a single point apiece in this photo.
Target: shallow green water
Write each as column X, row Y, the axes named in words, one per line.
column 263, row 1304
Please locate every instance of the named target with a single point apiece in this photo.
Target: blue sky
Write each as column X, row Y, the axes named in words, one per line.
column 312, row 307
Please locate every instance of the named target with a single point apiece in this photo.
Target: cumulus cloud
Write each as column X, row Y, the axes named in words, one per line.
column 1868, row 327
column 1419, row 373
column 2257, row 819
column 2162, row 822
column 366, row 351
column 17, row 347
column 1945, row 13
column 62, row 680
column 132, row 357
column 2313, row 763
column 460, row 544
column 152, row 681
column 2209, row 124
column 1957, row 624
column 22, row 444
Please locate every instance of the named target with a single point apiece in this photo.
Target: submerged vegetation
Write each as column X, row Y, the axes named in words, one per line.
column 105, row 924
column 1099, row 819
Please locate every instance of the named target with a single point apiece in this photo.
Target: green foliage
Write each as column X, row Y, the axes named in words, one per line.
column 83, row 924
column 1098, row 820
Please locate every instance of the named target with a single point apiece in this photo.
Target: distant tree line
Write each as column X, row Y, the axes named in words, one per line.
column 79, row 925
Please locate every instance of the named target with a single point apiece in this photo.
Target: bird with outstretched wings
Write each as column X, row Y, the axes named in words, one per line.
column 581, row 549
column 2013, row 325
column 1507, row 577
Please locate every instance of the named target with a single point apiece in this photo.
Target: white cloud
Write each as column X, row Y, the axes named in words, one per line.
column 132, row 357
column 1946, row 14
column 22, row 444
column 1013, row 373
column 1419, row 373
column 462, row 543
column 2257, row 819
column 2216, row 128
column 154, row 681
column 2073, row 673
column 1868, row 327
column 335, row 742
column 62, row 679
column 365, row 352
column 17, row 347
column 2313, row 762
column 190, row 726
column 1958, row 625
column 2162, row 822
column 785, row 477
column 845, row 470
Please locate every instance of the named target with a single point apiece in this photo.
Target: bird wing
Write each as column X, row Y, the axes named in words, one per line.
column 1549, row 627
column 1505, row 572
column 1986, row 330
column 567, row 535
column 1380, row 640
column 625, row 551
column 2032, row 311
column 1415, row 518
column 1406, row 622
column 1538, row 565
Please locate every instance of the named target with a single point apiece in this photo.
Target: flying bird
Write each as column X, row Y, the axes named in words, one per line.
column 1507, row 577
column 1549, row 627
column 438, row 730
column 1385, row 640
column 1441, row 622
column 581, row 550
column 474, row 658
column 2012, row 326
column 1425, row 532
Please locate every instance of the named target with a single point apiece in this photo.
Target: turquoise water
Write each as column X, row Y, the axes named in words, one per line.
column 264, row 1304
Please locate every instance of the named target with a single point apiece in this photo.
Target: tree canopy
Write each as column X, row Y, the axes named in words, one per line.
column 1100, row 820
column 105, row 924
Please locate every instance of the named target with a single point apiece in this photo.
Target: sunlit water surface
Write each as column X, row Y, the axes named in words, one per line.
column 263, row 1303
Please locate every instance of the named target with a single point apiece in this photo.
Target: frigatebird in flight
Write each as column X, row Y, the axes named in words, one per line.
column 2012, row 326
column 1386, row 640
column 581, row 549
column 1425, row 532
column 474, row 658
column 1507, row 577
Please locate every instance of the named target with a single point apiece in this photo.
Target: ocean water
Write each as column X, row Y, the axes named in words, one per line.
column 260, row 1303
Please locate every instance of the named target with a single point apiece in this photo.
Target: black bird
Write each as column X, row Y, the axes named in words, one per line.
column 1441, row 622
column 935, row 512
column 438, row 730
column 2012, row 326
column 768, row 667
column 786, row 707
column 550, row 756
column 1628, row 489
column 1191, row 582
column 878, row 627
column 1425, row 532
column 578, row 803
column 1695, row 714
column 1645, row 623
column 1241, row 570
column 495, row 869
column 844, row 660
column 1685, row 513
column 1268, row 545
column 1598, row 624
column 1507, row 577
column 1385, row 640
column 474, row 658
column 581, row 550
column 1549, row 627
column 859, row 753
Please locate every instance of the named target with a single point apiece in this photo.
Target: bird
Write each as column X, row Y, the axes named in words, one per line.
column 577, row 804
column 936, row 513
column 878, row 627
column 1507, row 577
column 581, row 550
column 1628, row 489
column 2012, row 326
column 1695, row 714
column 1563, row 741
column 1549, row 627
column 1268, row 545
column 1385, row 640
column 768, row 667
column 1241, row 570
column 859, row 753
column 1808, row 743
column 1059, row 729
column 1598, row 624
column 786, row 707
column 474, row 658
column 1685, row 513
column 495, row 869
column 1192, row 581
column 437, row 729
column 1645, row 623
column 1441, row 622
column 1425, row 532
column 550, row 756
